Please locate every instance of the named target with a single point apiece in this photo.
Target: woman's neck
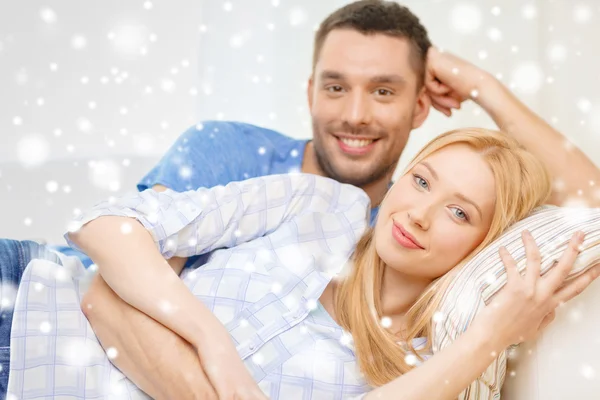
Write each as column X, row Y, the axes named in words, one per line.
column 398, row 293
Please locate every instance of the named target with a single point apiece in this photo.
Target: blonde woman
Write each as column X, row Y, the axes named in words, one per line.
column 272, row 305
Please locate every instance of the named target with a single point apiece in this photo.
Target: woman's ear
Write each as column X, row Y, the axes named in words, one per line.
column 422, row 107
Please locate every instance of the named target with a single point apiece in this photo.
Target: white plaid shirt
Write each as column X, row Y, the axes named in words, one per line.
column 275, row 242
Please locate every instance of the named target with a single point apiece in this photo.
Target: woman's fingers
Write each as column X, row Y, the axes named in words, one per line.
column 547, row 320
column 512, row 273
column 534, row 259
column 577, row 285
column 556, row 277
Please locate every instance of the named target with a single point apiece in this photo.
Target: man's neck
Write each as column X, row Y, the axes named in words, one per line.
column 375, row 190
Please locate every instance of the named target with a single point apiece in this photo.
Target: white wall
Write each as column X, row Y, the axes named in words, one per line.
column 131, row 76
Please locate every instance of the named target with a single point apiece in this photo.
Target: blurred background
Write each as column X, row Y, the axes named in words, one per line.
column 92, row 93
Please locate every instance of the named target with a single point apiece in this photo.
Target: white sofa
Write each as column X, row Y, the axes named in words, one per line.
column 564, row 363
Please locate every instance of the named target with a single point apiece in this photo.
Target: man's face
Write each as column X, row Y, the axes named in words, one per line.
column 364, row 102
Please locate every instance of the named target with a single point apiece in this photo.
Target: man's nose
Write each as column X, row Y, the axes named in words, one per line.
column 357, row 109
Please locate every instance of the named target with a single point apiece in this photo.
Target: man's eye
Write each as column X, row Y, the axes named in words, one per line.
column 384, row 92
column 335, row 88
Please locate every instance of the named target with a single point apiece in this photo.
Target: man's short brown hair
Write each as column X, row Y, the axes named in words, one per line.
column 383, row 17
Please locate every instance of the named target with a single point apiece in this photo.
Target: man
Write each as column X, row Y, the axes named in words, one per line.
column 370, row 86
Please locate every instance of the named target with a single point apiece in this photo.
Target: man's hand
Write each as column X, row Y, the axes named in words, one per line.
column 153, row 357
column 450, row 80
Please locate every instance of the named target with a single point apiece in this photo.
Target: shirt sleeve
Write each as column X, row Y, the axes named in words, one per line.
column 208, row 154
column 196, row 222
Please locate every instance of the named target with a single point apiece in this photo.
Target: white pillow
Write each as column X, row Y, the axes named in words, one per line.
column 482, row 277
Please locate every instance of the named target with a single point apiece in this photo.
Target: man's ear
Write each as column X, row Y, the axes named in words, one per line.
column 309, row 92
column 422, row 107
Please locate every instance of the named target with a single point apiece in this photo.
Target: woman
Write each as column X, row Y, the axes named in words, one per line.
column 277, row 243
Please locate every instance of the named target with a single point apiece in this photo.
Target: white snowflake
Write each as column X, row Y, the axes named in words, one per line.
column 297, row 16
column 527, row 78
column 465, row 18
column 588, row 372
column 105, row 174
column 494, row 34
column 129, row 38
column 386, row 322
column 411, row 359
column 33, row 150
column 557, row 52
column 45, row 327
column 582, row 13
column 84, row 125
column 78, row 42
column 51, row 186
column 48, row 15
column 529, row 11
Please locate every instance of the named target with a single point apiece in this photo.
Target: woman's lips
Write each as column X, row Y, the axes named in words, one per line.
column 404, row 238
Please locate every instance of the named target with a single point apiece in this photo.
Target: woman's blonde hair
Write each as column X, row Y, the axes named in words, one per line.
column 522, row 183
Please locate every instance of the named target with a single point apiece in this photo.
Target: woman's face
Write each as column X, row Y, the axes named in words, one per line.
column 437, row 213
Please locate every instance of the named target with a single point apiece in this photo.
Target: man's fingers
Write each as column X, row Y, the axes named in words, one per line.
column 556, row 277
column 445, row 101
column 577, row 285
column 437, row 87
column 446, row 111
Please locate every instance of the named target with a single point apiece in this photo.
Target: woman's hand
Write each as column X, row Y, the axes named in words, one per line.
column 527, row 303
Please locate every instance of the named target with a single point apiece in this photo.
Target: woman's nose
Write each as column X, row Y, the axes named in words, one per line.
column 419, row 217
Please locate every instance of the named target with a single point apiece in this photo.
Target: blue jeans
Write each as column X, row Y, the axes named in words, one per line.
column 14, row 257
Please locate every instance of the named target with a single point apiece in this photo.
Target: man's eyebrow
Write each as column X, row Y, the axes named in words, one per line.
column 384, row 78
column 458, row 195
column 329, row 74
column 391, row 78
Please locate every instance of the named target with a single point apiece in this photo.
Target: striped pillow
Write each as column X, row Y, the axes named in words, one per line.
column 482, row 277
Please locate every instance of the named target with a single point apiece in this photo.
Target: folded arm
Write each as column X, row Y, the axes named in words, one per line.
column 190, row 223
column 450, row 80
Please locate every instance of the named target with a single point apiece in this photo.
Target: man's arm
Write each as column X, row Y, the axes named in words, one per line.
column 152, row 356
column 451, row 80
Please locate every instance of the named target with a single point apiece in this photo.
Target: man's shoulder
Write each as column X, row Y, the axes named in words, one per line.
column 235, row 130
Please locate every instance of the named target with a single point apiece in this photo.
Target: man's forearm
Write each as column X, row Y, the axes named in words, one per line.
column 571, row 168
column 153, row 357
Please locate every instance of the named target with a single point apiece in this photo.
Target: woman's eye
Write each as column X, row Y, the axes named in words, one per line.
column 421, row 182
column 460, row 214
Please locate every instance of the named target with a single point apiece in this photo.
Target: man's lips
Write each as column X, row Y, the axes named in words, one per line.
column 355, row 145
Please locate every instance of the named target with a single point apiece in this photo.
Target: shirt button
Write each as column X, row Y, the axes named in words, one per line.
column 252, row 347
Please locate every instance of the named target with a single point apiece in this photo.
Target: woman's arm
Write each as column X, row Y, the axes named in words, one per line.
column 517, row 313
